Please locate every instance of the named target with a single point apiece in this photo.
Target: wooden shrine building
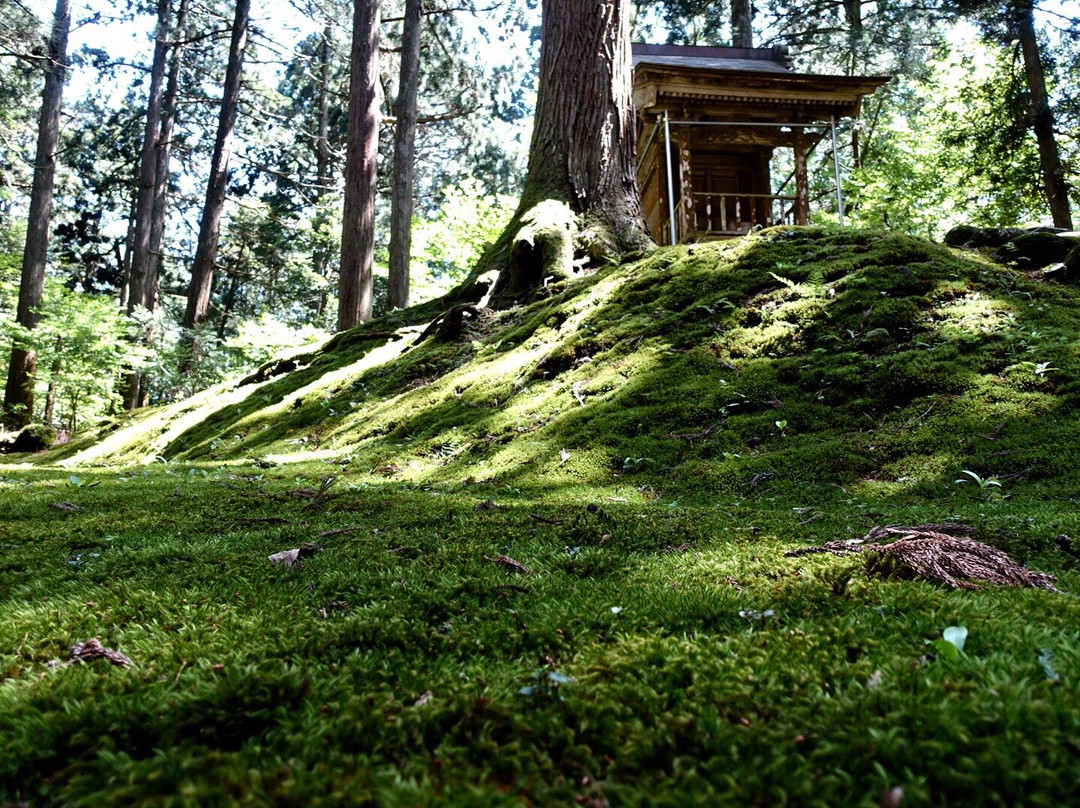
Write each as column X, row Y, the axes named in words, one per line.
column 709, row 120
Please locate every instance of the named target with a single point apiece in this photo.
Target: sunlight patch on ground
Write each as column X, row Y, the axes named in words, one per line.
column 158, row 429
column 975, row 314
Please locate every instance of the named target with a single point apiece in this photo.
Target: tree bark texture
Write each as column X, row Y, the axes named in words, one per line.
column 145, row 185
column 202, row 269
column 361, row 160
column 742, row 30
column 1055, row 186
column 19, row 391
column 582, row 148
column 404, row 154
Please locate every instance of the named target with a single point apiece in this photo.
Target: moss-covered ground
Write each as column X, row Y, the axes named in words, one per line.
column 648, row 441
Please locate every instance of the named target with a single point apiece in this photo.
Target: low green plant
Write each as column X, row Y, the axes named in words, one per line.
column 951, row 644
column 986, row 485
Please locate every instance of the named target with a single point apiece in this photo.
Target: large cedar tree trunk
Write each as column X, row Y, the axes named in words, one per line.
column 404, row 154
column 581, row 195
column 19, row 392
column 361, row 157
column 742, row 27
column 1056, row 188
column 202, row 269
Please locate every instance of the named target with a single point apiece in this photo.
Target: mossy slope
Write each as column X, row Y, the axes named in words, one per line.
column 807, row 355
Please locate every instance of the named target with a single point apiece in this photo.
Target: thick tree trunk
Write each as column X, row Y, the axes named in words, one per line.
column 202, row 270
column 404, row 155
column 581, row 192
column 19, row 392
column 361, row 157
column 139, row 263
column 1056, row 188
column 742, row 30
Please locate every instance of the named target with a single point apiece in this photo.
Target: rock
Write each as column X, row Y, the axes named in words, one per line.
column 1037, row 249
column 970, row 236
column 34, row 438
column 1060, row 273
column 877, row 339
column 1072, row 260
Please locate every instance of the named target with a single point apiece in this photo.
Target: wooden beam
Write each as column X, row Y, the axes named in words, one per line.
column 802, row 186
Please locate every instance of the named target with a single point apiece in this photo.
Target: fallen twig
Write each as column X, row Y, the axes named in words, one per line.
column 545, row 519
column 691, row 437
column 341, row 531
column 89, row 650
column 509, row 563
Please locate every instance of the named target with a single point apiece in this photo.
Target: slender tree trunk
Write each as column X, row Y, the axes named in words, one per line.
column 227, row 307
column 361, row 157
column 125, row 262
column 202, row 270
column 50, row 396
column 19, row 392
column 404, row 155
column 582, row 178
column 147, row 177
column 742, row 30
column 163, row 152
column 139, row 262
column 1056, row 188
column 320, row 259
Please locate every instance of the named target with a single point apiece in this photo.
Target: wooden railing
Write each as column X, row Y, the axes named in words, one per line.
column 738, row 213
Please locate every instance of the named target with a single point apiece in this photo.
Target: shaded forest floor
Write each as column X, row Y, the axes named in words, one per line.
column 545, row 564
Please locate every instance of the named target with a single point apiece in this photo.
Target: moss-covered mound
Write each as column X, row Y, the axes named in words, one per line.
column 800, row 354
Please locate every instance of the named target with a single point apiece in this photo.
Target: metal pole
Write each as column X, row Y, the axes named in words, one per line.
column 670, row 185
column 836, row 170
column 744, row 124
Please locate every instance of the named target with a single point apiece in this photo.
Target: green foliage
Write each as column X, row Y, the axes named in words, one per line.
column 447, row 245
column 82, row 342
column 950, row 148
column 951, row 644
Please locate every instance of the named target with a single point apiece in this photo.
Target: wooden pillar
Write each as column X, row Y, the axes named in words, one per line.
column 802, row 188
column 685, row 191
column 763, row 185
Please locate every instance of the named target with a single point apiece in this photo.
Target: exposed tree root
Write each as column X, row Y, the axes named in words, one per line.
column 450, row 325
column 938, row 553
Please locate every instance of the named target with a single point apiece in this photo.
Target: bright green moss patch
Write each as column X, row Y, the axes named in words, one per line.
column 669, row 653
column 648, row 441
